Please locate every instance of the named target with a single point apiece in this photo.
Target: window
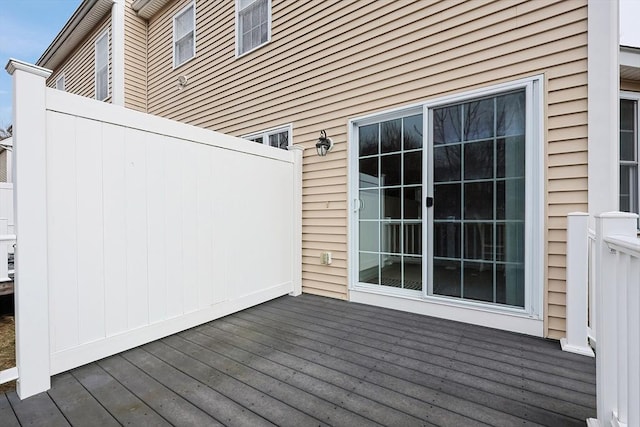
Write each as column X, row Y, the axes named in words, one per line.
column 60, row 83
column 102, row 67
column 277, row 137
column 629, row 147
column 253, row 24
column 184, row 35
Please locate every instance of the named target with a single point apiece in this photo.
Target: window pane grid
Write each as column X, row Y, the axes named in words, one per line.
column 184, row 36
column 469, row 235
column 253, row 21
column 391, row 178
column 629, row 141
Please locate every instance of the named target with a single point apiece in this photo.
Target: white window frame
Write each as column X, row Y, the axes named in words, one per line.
column 271, row 131
column 237, row 29
column 632, row 96
column 60, row 83
column 95, row 73
column 527, row 320
column 175, row 17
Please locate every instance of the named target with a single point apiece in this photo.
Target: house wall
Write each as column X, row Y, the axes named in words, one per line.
column 334, row 60
column 79, row 67
column 135, row 60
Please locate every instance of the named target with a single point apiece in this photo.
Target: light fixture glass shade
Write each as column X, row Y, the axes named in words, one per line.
column 324, row 144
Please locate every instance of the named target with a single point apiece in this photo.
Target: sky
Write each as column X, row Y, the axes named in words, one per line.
column 27, row 27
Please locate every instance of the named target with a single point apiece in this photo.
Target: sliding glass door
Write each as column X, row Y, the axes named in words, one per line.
column 478, row 169
column 390, row 197
column 440, row 205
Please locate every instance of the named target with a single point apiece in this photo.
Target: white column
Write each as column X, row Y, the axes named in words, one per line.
column 117, row 52
column 607, row 306
column 297, row 220
column 603, row 105
column 577, row 339
column 30, row 197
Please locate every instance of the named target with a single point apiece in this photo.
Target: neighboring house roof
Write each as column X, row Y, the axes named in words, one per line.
column 629, row 63
column 82, row 22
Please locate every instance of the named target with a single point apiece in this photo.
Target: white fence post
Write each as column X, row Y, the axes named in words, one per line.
column 30, row 195
column 609, row 312
column 297, row 215
column 577, row 339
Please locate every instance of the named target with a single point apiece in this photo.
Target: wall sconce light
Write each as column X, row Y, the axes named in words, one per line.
column 182, row 82
column 324, row 144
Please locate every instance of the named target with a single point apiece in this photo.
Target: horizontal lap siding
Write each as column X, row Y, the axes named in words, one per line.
column 135, row 60
column 331, row 61
column 79, row 67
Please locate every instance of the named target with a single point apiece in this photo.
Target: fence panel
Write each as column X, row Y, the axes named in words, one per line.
column 152, row 227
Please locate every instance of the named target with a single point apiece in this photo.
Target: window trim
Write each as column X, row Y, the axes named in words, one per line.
column 271, row 131
column 104, row 34
column 61, row 79
column 530, row 319
column 174, row 40
column 631, row 96
column 237, row 32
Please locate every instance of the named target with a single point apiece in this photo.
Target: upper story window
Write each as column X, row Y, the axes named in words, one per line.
column 184, row 35
column 60, row 83
column 277, row 137
column 629, row 148
column 102, row 66
column 253, row 24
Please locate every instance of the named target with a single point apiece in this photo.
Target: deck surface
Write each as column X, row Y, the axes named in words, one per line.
column 311, row 361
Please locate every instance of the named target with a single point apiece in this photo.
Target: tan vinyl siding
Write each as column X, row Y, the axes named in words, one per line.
column 135, row 60
column 79, row 67
column 334, row 60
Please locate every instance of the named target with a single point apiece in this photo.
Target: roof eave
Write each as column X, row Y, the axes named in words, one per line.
column 81, row 23
column 147, row 8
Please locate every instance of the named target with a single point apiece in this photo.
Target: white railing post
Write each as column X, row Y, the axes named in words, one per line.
column 30, row 205
column 577, row 339
column 609, row 316
column 297, row 219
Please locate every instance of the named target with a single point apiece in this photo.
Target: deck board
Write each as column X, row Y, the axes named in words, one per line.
column 311, row 361
column 7, row 415
column 77, row 404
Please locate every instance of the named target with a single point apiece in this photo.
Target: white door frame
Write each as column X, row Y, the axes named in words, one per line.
column 528, row 320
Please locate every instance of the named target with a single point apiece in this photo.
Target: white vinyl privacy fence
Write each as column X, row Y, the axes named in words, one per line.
column 131, row 227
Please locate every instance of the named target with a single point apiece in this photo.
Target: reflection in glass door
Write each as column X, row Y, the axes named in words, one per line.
column 390, row 193
column 479, row 199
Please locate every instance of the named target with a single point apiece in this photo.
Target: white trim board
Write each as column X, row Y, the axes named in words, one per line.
column 475, row 316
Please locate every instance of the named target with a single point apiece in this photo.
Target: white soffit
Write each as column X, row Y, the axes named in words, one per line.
column 84, row 20
column 629, row 63
column 147, row 8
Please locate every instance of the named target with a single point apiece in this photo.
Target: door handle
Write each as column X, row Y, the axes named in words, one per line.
column 429, row 202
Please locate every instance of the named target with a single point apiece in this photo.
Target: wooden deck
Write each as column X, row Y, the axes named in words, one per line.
column 310, row 361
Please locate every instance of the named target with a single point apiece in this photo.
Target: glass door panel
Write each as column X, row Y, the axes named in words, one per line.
column 478, row 188
column 391, row 197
